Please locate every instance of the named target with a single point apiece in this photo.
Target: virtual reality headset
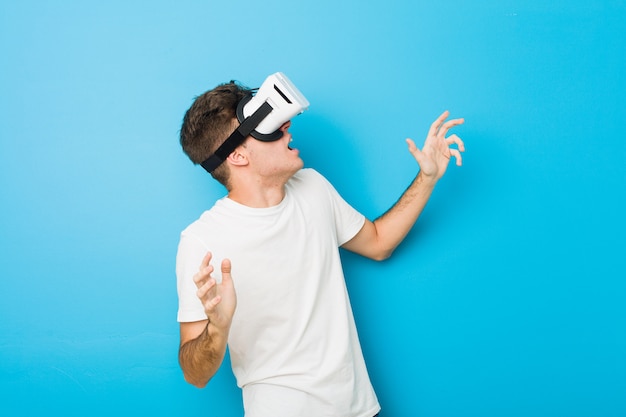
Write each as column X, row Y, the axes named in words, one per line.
column 261, row 115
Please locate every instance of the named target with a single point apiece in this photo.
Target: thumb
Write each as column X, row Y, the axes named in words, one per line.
column 417, row 154
column 226, row 267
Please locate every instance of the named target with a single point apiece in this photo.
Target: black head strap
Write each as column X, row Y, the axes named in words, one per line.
column 264, row 137
column 237, row 137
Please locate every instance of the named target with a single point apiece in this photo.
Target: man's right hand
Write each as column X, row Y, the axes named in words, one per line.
column 219, row 300
column 203, row 343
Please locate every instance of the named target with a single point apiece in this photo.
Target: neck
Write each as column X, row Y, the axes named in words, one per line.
column 257, row 195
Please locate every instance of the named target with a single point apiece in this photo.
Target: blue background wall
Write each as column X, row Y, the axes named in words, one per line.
column 508, row 297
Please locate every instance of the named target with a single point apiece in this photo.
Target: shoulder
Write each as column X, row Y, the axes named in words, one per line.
column 208, row 219
column 308, row 176
column 313, row 186
column 307, row 181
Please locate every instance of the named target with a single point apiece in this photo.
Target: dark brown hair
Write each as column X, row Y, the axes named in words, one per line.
column 209, row 121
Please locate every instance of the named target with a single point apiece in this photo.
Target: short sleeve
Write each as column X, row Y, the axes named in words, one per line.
column 348, row 221
column 190, row 253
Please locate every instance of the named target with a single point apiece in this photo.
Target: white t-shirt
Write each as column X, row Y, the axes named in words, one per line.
column 293, row 343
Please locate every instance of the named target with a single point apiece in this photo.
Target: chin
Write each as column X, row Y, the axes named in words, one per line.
column 297, row 167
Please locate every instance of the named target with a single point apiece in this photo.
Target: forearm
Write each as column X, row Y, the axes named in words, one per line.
column 378, row 239
column 200, row 358
column 393, row 226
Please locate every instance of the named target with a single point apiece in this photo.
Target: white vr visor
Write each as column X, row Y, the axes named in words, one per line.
column 276, row 102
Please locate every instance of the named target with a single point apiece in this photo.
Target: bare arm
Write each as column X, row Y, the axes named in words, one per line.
column 203, row 343
column 378, row 239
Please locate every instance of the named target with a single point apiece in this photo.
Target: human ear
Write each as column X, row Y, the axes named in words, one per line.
column 238, row 157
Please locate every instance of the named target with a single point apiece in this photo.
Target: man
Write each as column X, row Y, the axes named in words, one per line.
column 284, row 312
